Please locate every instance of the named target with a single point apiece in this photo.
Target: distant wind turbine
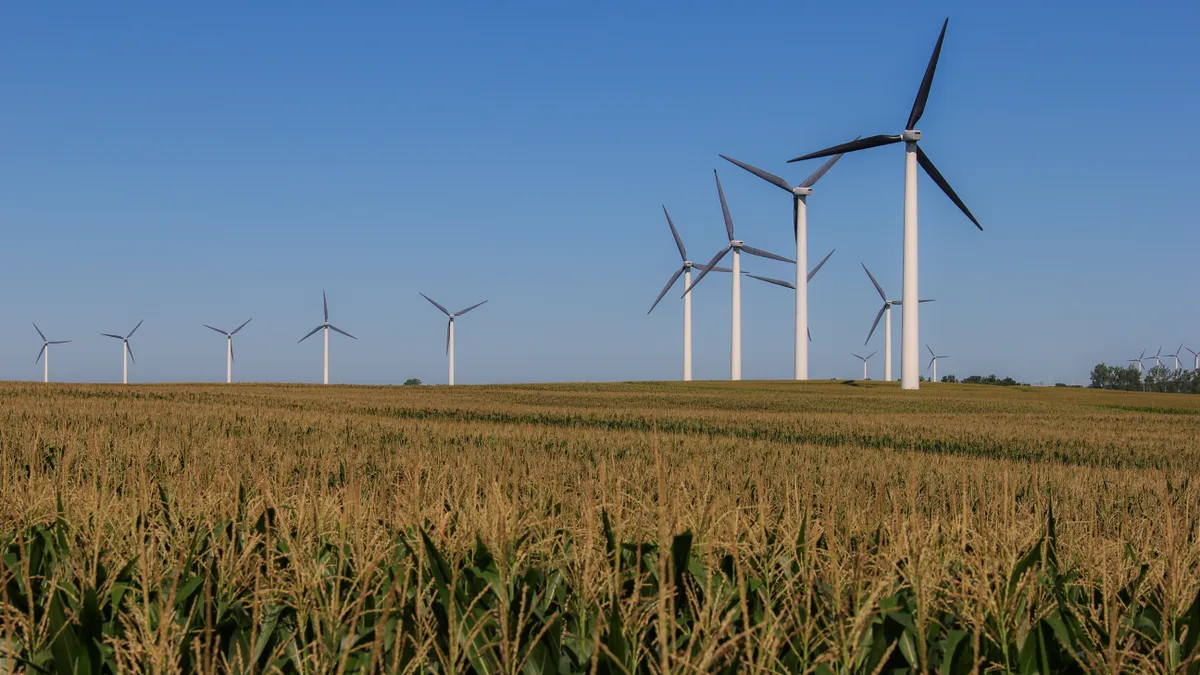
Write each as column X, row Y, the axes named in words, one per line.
column 1156, row 357
column 737, row 247
column 864, row 359
column 450, row 328
column 933, row 361
column 1140, row 366
column 126, row 351
column 686, row 270
column 326, row 326
column 799, row 195
column 1195, row 359
column 46, row 351
column 228, row 348
column 887, row 326
column 1176, row 356
column 913, row 155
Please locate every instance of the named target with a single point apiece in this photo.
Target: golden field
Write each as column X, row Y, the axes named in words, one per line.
column 821, row 516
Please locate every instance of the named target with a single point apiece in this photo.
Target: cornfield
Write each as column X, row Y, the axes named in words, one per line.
column 649, row 528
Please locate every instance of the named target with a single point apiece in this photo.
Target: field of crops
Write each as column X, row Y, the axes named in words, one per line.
column 702, row 527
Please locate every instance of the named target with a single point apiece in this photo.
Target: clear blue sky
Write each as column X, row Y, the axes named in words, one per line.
column 210, row 163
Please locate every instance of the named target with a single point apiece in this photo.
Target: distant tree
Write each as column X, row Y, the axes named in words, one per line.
column 412, row 382
column 993, row 380
column 1128, row 378
column 949, row 378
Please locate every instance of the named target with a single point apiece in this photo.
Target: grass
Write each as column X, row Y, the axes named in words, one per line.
column 650, row 527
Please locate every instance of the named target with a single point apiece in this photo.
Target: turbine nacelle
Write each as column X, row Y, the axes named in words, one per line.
column 736, row 243
column 802, row 191
column 910, row 135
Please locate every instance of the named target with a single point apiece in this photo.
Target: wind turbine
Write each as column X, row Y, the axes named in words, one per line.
column 800, row 195
column 736, row 246
column 808, row 277
column 887, row 327
column 933, row 361
column 686, row 270
column 327, row 327
column 864, row 359
column 228, row 348
column 46, row 350
column 1195, row 359
column 126, row 351
column 1157, row 360
column 1140, row 366
column 450, row 328
column 913, row 155
column 1176, row 355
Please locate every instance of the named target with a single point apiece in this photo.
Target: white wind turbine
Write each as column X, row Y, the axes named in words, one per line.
column 933, row 362
column 126, row 351
column 1157, row 357
column 1176, row 356
column 228, row 348
column 450, row 329
column 686, row 270
column 326, row 326
column 1195, row 359
column 737, row 247
column 887, row 326
column 1140, row 366
column 46, row 351
column 864, row 359
column 800, row 195
column 911, row 349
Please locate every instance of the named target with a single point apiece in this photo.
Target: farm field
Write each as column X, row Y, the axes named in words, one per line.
column 643, row 527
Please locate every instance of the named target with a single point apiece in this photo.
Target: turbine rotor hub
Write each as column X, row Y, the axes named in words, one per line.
column 801, row 191
column 910, row 136
column 735, row 243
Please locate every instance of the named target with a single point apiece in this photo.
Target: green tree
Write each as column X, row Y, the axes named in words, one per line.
column 412, row 382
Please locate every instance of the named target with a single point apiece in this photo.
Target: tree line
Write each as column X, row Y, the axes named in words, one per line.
column 1158, row 378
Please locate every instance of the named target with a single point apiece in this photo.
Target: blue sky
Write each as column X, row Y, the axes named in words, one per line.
column 210, row 163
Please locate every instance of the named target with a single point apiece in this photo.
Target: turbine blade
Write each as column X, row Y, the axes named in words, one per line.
column 821, row 264
column 765, row 175
column 435, row 304
column 872, row 354
column 937, row 177
column 325, row 303
column 448, row 336
column 717, row 268
column 856, row 356
column 216, row 329
column 724, row 207
column 929, row 300
column 930, row 351
column 926, row 82
column 766, row 254
column 876, row 323
column 235, row 330
column 675, row 233
column 707, row 268
column 310, row 334
column 134, row 330
column 58, row 342
column 824, row 169
column 930, row 364
column 130, row 350
column 464, row 311
column 40, row 333
column 877, row 286
column 674, row 278
column 40, row 352
column 853, row 146
column 342, row 332
column 231, row 359
column 119, row 337
column 809, row 331
column 769, row 280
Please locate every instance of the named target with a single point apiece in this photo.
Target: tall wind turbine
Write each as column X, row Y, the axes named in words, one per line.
column 126, row 351
column 1140, row 366
column 46, row 350
column 326, row 326
column 737, row 247
column 933, row 361
column 800, row 195
column 887, row 327
column 686, row 270
column 1176, row 356
column 1195, row 359
column 228, row 348
column 1157, row 357
column 910, row 366
column 864, row 359
column 450, row 328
